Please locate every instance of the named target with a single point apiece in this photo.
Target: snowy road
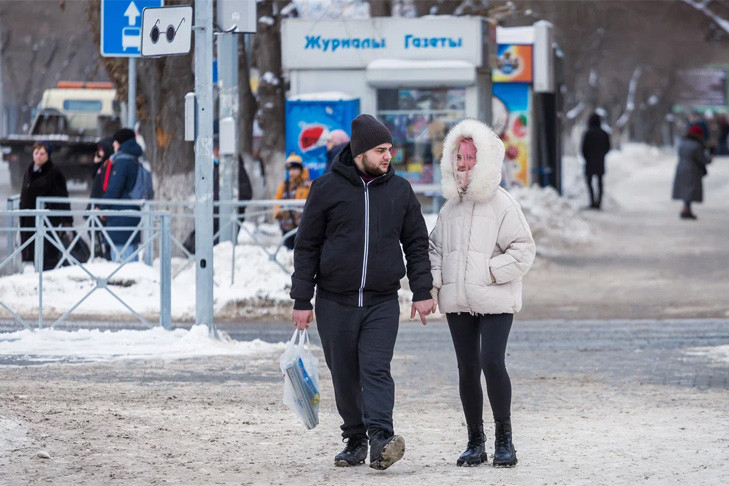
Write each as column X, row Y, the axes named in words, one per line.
column 601, row 402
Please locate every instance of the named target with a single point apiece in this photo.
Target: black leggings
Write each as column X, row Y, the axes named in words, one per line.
column 480, row 342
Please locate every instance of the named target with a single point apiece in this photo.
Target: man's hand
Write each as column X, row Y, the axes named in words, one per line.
column 424, row 308
column 302, row 318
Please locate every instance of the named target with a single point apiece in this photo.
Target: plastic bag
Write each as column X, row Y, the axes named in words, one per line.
column 301, row 379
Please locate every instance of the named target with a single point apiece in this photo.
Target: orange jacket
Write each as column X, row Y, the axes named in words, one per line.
column 292, row 189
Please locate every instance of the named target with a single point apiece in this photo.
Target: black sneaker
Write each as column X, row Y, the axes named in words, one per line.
column 386, row 451
column 354, row 453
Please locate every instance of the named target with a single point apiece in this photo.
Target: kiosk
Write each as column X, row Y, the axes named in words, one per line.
column 526, row 103
column 419, row 76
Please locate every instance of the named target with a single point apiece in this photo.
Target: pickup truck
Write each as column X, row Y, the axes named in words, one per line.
column 72, row 117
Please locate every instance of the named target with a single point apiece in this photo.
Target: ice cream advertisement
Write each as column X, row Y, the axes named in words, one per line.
column 514, row 64
column 511, row 119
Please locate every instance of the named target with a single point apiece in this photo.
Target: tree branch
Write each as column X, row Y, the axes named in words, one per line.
column 703, row 7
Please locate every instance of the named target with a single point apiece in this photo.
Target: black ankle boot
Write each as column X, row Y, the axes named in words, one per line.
column 385, row 450
column 354, row 453
column 505, row 454
column 475, row 453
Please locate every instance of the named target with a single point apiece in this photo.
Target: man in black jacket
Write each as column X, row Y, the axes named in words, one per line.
column 348, row 246
column 595, row 146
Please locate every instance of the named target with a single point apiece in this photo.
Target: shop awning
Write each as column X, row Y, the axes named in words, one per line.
column 390, row 73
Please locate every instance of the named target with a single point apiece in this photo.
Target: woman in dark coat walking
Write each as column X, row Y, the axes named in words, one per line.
column 595, row 146
column 692, row 161
column 42, row 179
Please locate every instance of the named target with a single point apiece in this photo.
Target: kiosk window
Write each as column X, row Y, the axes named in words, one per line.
column 419, row 120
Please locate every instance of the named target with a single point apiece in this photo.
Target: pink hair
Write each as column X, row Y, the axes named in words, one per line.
column 468, row 151
column 467, row 147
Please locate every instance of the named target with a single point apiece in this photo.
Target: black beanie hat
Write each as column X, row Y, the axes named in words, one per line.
column 367, row 133
column 123, row 135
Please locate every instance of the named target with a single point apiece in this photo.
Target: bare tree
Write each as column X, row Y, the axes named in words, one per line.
column 271, row 90
column 41, row 46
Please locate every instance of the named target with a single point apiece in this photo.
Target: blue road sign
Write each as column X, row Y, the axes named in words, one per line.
column 121, row 26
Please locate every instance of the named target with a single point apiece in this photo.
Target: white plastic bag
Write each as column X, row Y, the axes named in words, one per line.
column 301, row 379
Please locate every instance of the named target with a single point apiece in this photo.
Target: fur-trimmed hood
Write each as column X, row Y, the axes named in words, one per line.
column 486, row 174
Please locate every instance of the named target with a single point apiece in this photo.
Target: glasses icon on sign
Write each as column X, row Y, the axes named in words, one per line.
column 169, row 33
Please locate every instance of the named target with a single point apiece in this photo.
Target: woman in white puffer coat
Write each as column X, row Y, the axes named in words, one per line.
column 480, row 248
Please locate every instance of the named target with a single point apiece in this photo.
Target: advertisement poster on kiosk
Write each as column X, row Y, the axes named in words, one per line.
column 310, row 120
column 511, row 108
column 511, row 120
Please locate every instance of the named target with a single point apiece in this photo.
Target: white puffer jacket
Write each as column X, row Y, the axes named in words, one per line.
column 479, row 233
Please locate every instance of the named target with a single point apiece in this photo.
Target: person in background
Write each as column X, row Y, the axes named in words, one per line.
column 480, row 249
column 712, row 121
column 102, row 171
column 42, row 179
column 124, row 165
column 338, row 139
column 722, row 148
column 692, row 161
column 357, row 222
column 295, row 186
column 595, row 146
column 697, row 118
column 102, row 167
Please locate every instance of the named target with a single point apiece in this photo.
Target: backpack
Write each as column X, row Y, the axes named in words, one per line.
column 143, row 188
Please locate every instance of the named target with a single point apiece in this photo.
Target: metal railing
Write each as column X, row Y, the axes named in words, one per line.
column 155, row 225
column 257, row 212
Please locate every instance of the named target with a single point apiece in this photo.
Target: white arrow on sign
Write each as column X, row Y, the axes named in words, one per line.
column 132, row 12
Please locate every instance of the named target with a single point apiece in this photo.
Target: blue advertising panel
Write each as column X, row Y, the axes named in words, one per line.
column 121, row 26
column 308, row 124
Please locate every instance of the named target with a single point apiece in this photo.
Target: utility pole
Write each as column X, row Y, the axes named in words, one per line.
column 228, row 113
column 204, row 164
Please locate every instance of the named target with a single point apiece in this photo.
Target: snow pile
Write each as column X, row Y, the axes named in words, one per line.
column 717, row 353
column 95, row 345
column 555, row 222
column 252, row 286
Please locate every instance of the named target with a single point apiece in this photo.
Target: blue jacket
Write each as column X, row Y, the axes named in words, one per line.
column 121, row 181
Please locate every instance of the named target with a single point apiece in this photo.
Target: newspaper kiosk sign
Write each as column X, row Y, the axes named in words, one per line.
column 121, row 26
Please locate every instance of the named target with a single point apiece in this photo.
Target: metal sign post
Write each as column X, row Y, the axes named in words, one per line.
column 204, row 164
column 228, row 111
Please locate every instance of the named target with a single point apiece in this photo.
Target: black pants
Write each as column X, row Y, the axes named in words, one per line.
column 480, row 342
column 595, row 202
column 358, row 344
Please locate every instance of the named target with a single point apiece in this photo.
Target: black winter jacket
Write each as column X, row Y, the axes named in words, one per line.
column 595, row 146
column 349, row 238
column 46, row 182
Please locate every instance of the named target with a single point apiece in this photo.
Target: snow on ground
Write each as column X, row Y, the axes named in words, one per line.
column 96, row 345
column 717, row 353
column 256, row 287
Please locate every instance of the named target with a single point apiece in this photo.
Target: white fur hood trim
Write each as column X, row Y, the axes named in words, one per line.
column 486, row 174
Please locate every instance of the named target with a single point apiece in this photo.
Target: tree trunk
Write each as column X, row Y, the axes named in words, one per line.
column 270, row 115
